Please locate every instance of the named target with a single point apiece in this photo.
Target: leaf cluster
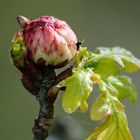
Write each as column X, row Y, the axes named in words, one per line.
column 104, row 68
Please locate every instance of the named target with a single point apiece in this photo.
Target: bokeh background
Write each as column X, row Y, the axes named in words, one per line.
column 101, row 23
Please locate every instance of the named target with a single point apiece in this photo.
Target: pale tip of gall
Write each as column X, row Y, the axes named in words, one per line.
column 23, row 21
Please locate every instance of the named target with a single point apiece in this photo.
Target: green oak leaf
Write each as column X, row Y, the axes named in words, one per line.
column 106, row 67
column 100, row 107
column 103, row 61
column 102, row 68
column 114, row 125
column 78, row 88
column 121, row 86
column 99, row 129
column 124, row 88
column 122, row 56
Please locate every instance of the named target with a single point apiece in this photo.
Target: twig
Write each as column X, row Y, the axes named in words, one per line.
column 41, row 81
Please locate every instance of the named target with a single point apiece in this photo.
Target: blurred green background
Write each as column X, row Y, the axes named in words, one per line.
column 101, row 23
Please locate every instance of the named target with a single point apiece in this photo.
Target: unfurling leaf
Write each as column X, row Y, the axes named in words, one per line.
column 114, row 126
column 18, row 48
column 80, row 54
column 78, row 88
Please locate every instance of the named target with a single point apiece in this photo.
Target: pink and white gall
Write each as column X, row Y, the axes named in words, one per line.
column 50, row 39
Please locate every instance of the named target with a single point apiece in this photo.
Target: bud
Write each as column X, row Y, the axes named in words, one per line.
column 18, row 50
column 50, row 39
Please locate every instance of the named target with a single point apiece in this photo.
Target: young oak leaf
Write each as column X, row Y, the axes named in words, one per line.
column 114, row 126
column 81, row 56
column 124, row 88
column 108, row 56
column 103, row 126
column 122, row 56
column 78, row 88
column 119, row 130
column 106, row 67
column 121, row 86
column 100, row 107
